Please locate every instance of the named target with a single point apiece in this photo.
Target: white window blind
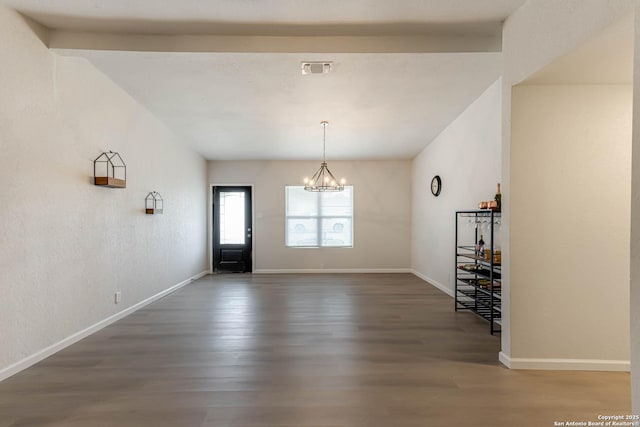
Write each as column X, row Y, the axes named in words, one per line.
column 319, row 219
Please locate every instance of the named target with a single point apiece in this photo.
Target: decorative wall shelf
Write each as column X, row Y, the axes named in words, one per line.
column 109, row 170
column 153, row 203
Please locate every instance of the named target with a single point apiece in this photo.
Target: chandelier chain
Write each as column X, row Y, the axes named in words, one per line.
column 324, row 141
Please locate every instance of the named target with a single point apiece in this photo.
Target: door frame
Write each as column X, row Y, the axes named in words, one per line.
column 210, row 224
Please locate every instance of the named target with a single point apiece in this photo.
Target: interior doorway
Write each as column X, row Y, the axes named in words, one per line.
column 232, row 229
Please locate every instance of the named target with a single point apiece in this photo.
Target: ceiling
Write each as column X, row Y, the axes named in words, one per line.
column 225, row 75
column 607, row 58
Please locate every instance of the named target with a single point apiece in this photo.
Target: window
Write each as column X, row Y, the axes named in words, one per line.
column 232, row 204
column 318, row 219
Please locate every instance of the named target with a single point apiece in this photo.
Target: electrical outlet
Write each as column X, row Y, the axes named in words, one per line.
column 118, row 297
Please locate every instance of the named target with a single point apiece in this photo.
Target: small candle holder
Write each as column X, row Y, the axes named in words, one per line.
column 109, row 170
column 154, row 203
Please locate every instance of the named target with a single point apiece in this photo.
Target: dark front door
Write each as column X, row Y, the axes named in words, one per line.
column 232, row 229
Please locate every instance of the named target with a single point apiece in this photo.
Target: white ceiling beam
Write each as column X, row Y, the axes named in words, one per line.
column 67, row 42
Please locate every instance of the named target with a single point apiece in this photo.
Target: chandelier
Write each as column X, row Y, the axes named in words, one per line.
column 323, row 179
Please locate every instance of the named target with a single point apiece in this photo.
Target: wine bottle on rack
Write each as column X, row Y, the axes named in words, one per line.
column 498, row 198
column 480, row 247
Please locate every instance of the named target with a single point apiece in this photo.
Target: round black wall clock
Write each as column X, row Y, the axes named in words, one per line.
column 436, row 185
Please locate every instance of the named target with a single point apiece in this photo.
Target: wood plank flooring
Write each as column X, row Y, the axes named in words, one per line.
column 303, row 351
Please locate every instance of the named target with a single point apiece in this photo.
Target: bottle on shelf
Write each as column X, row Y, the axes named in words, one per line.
column 498, row 198
column 480, row 247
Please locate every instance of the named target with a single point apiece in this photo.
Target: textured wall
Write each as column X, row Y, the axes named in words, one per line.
column 66, row 244
column 570, row 222
column 466, row 155
column 382, row 213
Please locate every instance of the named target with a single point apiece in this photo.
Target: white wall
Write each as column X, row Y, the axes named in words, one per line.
column 535, row 35
column 466, row 155
column 635, row 230
column 570, row 213
column 66, row 244
column 382, row 213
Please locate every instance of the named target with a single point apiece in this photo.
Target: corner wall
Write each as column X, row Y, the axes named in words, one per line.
column 68, row 245
column 382, row 214
column 635, row 228
column 466, row 155
column 533, row 37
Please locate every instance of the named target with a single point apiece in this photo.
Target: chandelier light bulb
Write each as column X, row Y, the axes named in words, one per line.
column 343, row 181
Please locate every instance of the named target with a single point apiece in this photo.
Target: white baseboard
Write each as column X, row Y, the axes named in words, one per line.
column 434, row 283
column 192, row 279
column 565, row 364
column 332, row 270
column 72, row 339
column 504, row 359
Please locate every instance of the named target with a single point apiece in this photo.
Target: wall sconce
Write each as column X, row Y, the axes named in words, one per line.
column 153, row 203
column 109, row 170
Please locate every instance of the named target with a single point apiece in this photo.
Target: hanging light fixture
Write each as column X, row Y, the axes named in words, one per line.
column 323, row 179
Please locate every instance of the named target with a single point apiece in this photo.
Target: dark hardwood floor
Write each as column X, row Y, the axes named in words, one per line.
column 303, row 351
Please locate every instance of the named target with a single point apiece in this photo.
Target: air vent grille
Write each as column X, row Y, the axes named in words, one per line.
column 316, row 67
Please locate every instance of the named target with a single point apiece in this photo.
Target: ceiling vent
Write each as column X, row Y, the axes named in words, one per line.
column 316, row 67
